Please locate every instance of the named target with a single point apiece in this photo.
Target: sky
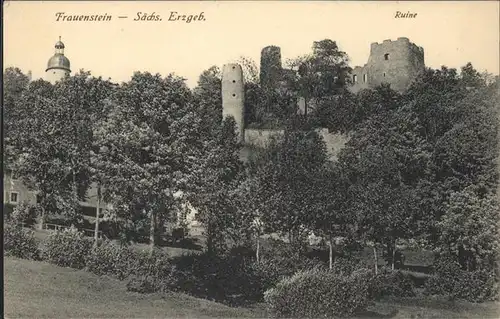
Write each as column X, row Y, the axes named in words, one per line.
column 451, row 33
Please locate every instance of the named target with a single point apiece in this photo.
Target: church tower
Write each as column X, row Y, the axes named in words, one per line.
column 58, row 66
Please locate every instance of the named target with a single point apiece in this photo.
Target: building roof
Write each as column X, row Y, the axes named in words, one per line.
column 58, row 60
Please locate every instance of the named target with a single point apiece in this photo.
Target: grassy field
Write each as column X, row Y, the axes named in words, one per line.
column 40, row 290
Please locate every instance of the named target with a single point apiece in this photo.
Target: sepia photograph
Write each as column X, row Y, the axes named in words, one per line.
column 251, row 159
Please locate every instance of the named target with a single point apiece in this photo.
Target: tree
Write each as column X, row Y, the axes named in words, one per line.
column 469, row 230
column 321, row 74
column 215, row 197
column 334, row 201
column 149, row 147
column 15, row 83
column 387, row 162
column 208, row 98
column 52, row 147
column 284, row 177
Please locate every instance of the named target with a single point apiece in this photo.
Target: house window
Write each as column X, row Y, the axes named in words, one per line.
column 386, row 56
column 365, row 78
column 355, row 78
column 14, row 197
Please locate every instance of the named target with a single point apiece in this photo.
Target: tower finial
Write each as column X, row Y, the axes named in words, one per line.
column 59, row 38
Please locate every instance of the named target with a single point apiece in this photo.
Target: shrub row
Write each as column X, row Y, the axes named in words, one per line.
column 281, row 276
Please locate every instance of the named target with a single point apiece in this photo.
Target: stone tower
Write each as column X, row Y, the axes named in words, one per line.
column 393, row 62
column 58, row 66
column 233, row 96
column 270, row 66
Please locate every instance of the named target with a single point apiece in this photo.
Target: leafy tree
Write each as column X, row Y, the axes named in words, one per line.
column 216, row 196
column 386, row 161
column 470, row 230
column 334, row 200
column 15, row 83
column 250, row 70
column 284, row 185
column 321, row 74
column 52, row 148
column 149, row 147
column 208, row 98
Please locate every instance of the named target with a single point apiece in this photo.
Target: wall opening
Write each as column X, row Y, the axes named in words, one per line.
column 365, row 78
column 14, row 197
column 234, row 95
column 384, row 74
column 386, row 56
column 354, row 78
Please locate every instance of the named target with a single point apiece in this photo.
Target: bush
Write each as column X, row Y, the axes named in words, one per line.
column 145, row 272
column 281, row 260
column 203, row 276
column 68, row 248
column 19, row 242
column 343, row 265
column 450, row 280
column 391, row 283
column 111, row 259
column 318, row 293
column 231, row 279
column 155, row 268
column 25, row 213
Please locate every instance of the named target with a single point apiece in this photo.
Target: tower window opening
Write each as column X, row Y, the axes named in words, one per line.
column 365, row 78
column 234, row 95
column 355, row 78
column 234, row 81
column 384, row 74
column 386, row 56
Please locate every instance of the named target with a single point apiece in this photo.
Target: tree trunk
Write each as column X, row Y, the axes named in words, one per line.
column 305, row 107
column 393, row 253
column 258, row 249
column 330, row 243
column 42, row 217
column 75, row 189
column 376, row 259
column 152, row 231
column 97, row 213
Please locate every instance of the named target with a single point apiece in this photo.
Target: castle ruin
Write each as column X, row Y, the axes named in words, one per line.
column 396, row 63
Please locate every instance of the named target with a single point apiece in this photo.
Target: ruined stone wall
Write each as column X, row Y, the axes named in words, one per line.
column 260, row 138
column 359, row 78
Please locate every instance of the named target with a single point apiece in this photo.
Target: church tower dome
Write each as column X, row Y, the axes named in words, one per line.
column 58, row 65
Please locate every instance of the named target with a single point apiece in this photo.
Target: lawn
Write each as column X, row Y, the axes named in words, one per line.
column 41, row 290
